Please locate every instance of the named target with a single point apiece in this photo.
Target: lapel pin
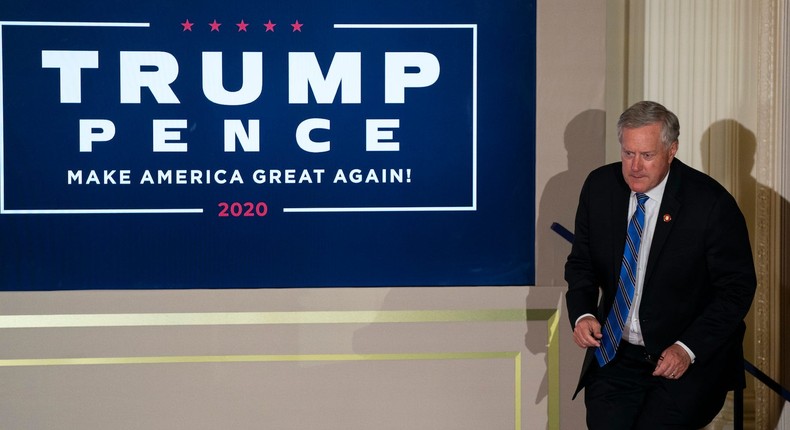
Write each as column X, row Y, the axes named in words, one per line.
column 667, row 217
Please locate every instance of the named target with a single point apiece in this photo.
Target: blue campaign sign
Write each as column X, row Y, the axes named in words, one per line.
column 259, row 144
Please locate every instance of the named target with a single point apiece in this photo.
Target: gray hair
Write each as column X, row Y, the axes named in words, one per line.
column 645, row 113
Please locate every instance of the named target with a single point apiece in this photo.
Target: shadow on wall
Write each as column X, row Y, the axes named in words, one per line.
column 585, row 145
column 728, row 151
column 728, row 155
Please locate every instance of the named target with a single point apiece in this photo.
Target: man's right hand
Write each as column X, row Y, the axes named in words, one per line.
column 587, row 333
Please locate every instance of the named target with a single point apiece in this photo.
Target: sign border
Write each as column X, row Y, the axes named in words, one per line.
column 471, row 207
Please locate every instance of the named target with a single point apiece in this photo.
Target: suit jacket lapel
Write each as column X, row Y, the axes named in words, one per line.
column 669, row 210
column 619, row 205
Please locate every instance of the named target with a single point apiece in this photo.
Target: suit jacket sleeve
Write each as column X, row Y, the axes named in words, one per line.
column 591, row 265
column 702, row 281
column 582, row 295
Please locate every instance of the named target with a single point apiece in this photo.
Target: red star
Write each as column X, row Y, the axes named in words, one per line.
column 242, row 26
column 269, row 26
column 187, row 25
column 297, row 26
column 214, row 25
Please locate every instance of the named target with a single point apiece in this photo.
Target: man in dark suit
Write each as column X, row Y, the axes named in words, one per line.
column 679, row 348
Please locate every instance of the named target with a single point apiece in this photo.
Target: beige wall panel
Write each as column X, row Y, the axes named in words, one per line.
column 570, row 126
column 418, row 358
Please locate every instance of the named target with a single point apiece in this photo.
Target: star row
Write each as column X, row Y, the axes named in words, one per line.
column 242, row 26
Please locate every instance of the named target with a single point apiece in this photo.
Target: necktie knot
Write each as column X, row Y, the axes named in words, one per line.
column 641, row 198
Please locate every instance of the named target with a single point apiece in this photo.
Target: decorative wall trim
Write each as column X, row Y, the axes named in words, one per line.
column 78, row 321
column 768, row 234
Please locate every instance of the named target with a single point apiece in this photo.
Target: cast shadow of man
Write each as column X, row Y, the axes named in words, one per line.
column 728, row 155
column 728, row 150
column 584, row 141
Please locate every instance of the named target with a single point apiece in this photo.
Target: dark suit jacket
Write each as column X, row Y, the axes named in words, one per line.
column 699, row 282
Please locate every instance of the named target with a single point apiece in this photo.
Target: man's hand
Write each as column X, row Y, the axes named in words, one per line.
column 587, row 333
column 673, row 363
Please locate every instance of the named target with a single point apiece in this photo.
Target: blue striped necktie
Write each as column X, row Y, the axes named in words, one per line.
column 613, row 327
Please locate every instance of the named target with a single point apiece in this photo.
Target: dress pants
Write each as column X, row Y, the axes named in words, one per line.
column 624, row 395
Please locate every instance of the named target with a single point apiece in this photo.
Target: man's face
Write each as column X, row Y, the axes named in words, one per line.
column 645, row 159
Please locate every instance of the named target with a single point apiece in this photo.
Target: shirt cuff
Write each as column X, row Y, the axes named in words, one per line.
column 691, row 354
column 583, row 316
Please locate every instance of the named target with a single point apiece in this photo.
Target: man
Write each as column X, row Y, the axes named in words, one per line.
column 665, row 352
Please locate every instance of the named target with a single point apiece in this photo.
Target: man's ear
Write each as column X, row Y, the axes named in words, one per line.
column 673, row 149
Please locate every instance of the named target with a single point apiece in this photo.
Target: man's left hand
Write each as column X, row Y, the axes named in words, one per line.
column 673, row 363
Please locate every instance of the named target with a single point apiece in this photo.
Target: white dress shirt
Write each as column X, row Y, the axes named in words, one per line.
column 632, row 331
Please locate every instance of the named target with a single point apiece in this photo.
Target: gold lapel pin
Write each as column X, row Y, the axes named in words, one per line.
column 667, row 217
